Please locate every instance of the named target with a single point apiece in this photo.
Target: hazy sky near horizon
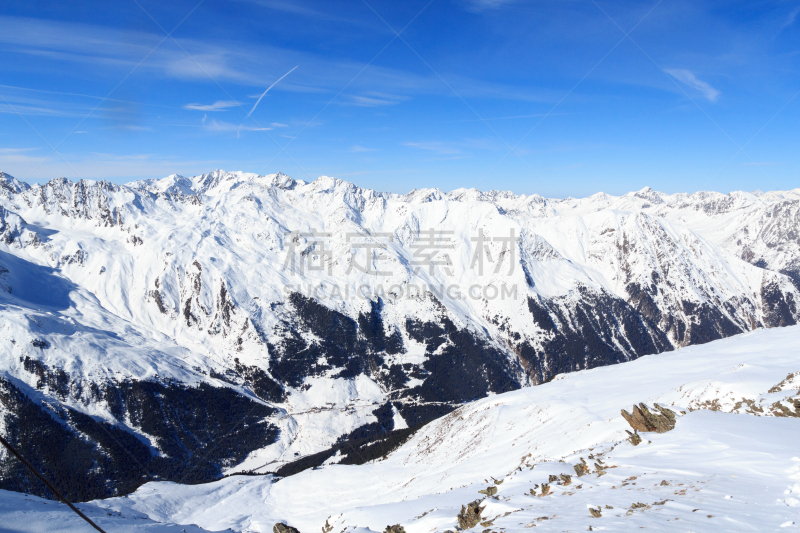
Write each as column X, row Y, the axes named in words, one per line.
column 559, row 98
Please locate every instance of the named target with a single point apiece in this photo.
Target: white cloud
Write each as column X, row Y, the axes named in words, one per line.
column 477, row 6
column 687, row 77
column 219, row 105
column 296, row 7
column 358, row 148
column 434, row 146
column 117, row 167
column 4, row 151
column 214, row 125
column 230, row 61
column 133, row 127
column 375, row 100
column 791, row 18
column 17, row 103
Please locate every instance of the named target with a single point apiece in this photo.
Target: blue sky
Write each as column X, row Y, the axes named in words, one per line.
column 559, row 98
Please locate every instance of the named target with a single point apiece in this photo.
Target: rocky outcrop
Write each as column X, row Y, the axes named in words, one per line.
column 397, row 528
column 283, row 528
column 634, row 438
column 470, row 515
column 489, row 491
column 642, row 419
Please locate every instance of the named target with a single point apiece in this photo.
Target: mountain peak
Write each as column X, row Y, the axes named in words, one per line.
column 12, row 185
column 647, row 193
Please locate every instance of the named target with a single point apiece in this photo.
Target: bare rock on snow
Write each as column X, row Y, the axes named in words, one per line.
column 283, row 528
column 642, row 419
column 633, row 438
column 470, row 515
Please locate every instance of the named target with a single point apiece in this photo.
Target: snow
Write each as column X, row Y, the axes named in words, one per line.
column 721, row 469
column 315, row 419
column 21, row 513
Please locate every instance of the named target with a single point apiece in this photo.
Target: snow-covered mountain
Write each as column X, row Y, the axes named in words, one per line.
column 558, row 457
column 230, row 321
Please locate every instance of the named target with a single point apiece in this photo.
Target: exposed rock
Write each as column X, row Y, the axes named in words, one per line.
column 565, row 479
column 545, row 489
column 633, row 438
column 787, row 381
column 643, row 419
column 553, row 478
column 397, row 528
column 595, row 512
column 489, row 491
column 664, row 483
column 283, row 528
column 581, row 468
column 778, row 409
column 470, row 515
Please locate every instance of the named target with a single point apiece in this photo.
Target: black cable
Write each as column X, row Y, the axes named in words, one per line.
column 30, row 467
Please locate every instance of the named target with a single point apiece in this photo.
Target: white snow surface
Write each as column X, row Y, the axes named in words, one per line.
column 22, row 512
column 730, row 464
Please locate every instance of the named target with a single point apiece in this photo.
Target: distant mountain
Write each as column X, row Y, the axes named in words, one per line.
column 193, row 326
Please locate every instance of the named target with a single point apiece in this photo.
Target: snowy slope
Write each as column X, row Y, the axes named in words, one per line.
column 731, row 463
column 185, row 282
column 20, row 512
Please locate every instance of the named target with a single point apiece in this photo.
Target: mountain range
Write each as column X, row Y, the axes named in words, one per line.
column 190, row 327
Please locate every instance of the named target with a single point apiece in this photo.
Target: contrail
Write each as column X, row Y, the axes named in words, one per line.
column 265, row 92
